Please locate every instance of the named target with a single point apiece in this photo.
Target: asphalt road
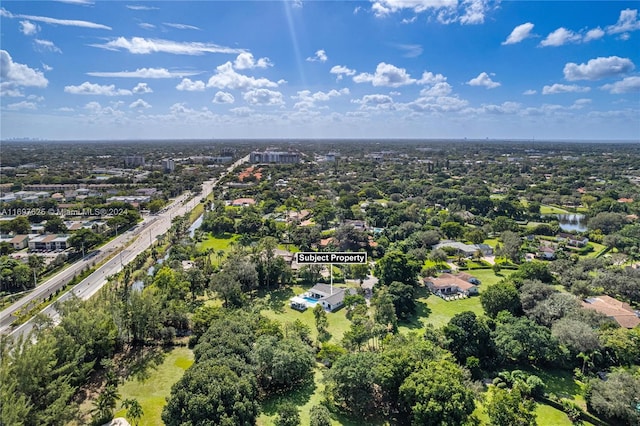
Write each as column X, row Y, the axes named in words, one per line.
column 143, row 237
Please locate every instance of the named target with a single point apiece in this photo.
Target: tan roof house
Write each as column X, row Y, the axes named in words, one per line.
column 613, row 308
column 450, row 284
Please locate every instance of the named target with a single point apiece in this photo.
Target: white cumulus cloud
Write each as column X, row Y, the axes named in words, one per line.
column 564, row 88
column 142, row 88
column 593, row 34
column 560, row 37
column 385, row 7
column 28, row 28
column 191, row 86
column 87, row 88
column 307, row 100
column 341, row 71
column 438, row 89
column 263, row 97
column 386, row 75
column 483, row 79
column 227, row 78
column 375, row 101
column 320, row 56
column 223, row 98
column 474, row 11
column 245, row 60
column 626, row 85
column 14, row 74
column 529, row 92
column 139, row 104
column 627, row 22
column 519, row 33
column 598, row 68
column 144, row 46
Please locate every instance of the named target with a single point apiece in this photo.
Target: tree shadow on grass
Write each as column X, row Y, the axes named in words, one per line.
column 298, row 397
column 345, row 420
column 415, row 321
column 139, row 361
column 276, row 299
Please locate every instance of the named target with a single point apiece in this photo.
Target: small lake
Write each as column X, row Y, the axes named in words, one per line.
column 572, row 222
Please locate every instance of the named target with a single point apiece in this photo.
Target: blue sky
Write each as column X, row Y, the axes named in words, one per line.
column 80, row 69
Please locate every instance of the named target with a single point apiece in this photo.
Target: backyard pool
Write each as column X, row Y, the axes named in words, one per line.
column 310, row 300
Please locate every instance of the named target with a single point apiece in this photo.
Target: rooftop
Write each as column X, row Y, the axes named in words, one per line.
column 611, row 307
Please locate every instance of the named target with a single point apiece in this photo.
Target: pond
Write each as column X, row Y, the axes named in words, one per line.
column 572, row 222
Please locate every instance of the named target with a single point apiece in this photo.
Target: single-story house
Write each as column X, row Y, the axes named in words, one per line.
column 450, row 284
column 243, row 202
column 357, row 224
column 468, row 277
column 329, row 297
column 613, row 308
column 573, row 240
column 547, row 253
column 467, row 250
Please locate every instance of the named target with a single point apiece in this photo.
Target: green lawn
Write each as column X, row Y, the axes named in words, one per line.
column 218, row 242
column 152, row 392
column 276, row 306
column 289, row 247
column 306, row 397
column 491, row 241
column 597, row 248
column 196, row 212
column 546, row 414
column 437, row 311
column 547, row 209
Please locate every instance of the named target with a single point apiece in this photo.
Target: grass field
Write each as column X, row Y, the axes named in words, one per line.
column 276, row 306
column 152, row 392
column 437, row 311
column 546, row 415
column 218, row 242
column 196, row 212
column 547, row 209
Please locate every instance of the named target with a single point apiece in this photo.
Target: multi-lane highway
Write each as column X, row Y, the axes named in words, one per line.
column 138, row 240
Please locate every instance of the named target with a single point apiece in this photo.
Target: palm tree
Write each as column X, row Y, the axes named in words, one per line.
column 105, row 404
column 134, row 410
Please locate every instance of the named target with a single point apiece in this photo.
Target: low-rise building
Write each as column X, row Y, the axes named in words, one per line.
column 467, row 250
column 613, row 308
column 49, row 242
column 243, row 202
column 448, row 284
column 329, row 297
column 573, row 240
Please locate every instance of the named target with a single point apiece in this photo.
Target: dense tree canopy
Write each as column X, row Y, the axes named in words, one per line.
column 437, row 395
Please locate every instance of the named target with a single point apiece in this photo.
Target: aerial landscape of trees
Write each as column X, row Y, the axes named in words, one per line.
column 528, row 347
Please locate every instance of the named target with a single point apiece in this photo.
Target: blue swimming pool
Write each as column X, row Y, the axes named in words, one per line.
column 310, row 300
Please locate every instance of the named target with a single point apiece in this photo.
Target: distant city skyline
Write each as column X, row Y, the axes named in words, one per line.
column 419, row 69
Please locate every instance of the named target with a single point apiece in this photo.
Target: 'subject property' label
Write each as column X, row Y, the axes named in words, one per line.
column 330, row 257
